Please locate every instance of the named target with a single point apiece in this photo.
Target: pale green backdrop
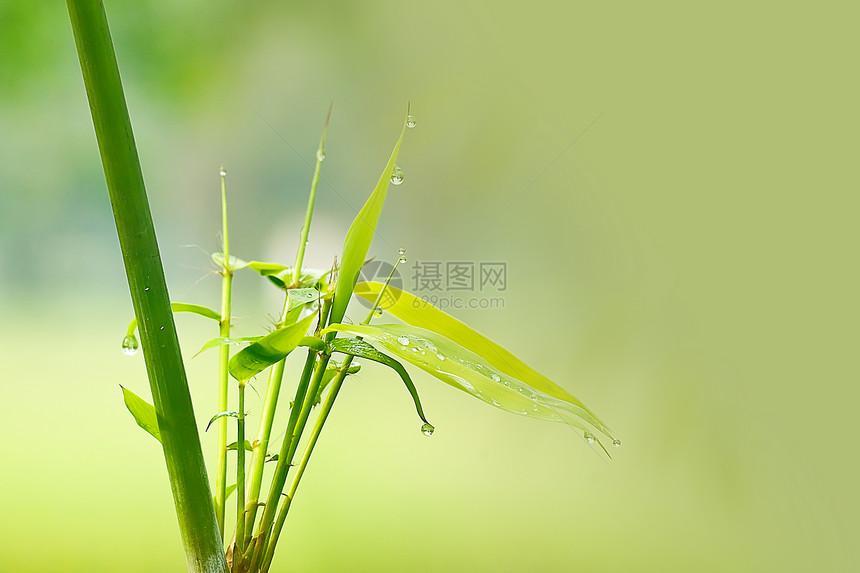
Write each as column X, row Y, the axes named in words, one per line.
column 671, row 184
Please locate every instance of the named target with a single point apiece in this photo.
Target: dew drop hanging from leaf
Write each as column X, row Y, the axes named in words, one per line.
column 427, row 430
column 129, row 345
column 397, row 175
column 410, row 121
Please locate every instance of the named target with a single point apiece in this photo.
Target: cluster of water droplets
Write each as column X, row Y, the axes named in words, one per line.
column 402, row 252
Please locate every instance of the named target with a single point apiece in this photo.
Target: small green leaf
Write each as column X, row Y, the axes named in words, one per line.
column 297, row 297
column 235, row 262
column 181, row 307
column 222, row 341
column 474, row 374
column 234, row 446
column 228, row 491
column 143, row 412
column 359, row 237
column 270, row 349
column 225, row 414
column 361, row 348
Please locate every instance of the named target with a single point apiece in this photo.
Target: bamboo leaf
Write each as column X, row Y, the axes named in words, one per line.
column 235, row 446
column 362, row 349
column 417, row 312
column 143, row 412
column 270, row 349
column 221, row 341
column 475, row 374
column 297, row 297
column 227, row 492
column 180, row 307
column 359, row 237
column 225, row 414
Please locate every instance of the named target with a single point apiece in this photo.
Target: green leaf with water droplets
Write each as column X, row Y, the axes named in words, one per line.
column 362, row 349
column 182, row 307
column 270, row 349
column 417, row 312
column 359, row 237
column 297, row 297
column 143, row 412
column 474, row 374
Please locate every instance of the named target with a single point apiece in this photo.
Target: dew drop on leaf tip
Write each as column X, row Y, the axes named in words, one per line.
column 589, row 437
column 397, row 175
column 223, row 172
column 320, row 155
column 427, row 430
column 410, row 121
column 129, row 345
column 616, row 442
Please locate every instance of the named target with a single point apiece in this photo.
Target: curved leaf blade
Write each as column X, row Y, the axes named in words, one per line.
column 359, row 237
column 270, row 349
column 225, row 414
column 143, row 412
column 419, row 313
column 362, row 349
column 182, row 307
column 473, row 374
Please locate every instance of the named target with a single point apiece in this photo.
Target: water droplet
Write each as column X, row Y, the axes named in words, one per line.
column 535, row 407
column 129, row 345
column 397, row 175
column 320, row 155
column 401, row 251
column 377, row 311
column 427, row 430
column 223, row 172
column 410, row 121
column 616, row 442
column 160, row 328
column 402, row 259
column 440, row 356
column 589, row 437
column 496, row 377
column 416, row 349
column 404, row 340
column 146, row 288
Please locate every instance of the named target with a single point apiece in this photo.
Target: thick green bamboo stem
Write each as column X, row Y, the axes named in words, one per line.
column 182, row 452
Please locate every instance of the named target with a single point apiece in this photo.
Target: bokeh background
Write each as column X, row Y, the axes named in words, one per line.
column 671, row 184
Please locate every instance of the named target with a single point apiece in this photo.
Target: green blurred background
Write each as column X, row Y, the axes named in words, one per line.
column 672, row 186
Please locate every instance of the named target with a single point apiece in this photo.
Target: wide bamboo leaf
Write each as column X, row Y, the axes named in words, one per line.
column 475, row 375
column 362, row 349
column 418, row 312
column 359, row 237
column 143, row 412
column 270, row 349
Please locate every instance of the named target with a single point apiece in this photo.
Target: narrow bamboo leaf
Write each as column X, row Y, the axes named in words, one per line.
column 226, row 414
column 143, row 412
column 227, row 492
column 417, row 312
column 181, row 307
column 359, row 237
column 362, row 349
column 220, row 341
column 234, row 446
column 270, row 349
column 473, row 374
